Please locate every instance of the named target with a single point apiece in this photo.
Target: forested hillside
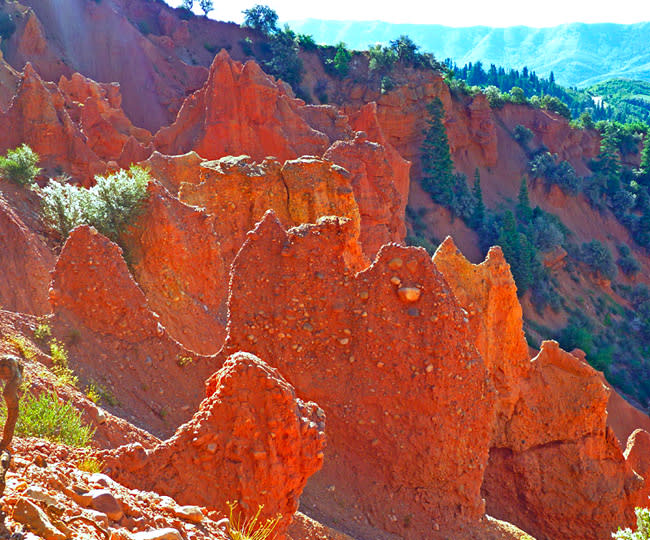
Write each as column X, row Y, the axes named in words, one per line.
column 579, row 54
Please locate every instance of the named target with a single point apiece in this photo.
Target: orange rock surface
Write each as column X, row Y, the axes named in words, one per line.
column 177, row 262
column 103, row 41
column 24, row 258
column 118, row 341
column 563, row 465
column 251, row 441
column 37, row 116
column 488, row 294
column 375, row 184
column 399, row 443
column 240, row 109
column 237, row 191
column 97, row 108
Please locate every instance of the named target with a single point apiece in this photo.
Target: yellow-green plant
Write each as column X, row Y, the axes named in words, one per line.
column 248, row 529
column 48, row 417
column 43, row 331
column 22, row 346
column 90, row 465
column 60, row 366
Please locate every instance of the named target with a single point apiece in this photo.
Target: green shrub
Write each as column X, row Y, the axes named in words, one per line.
column 599, row 258
column 386, row 84
column 48, row 417
column 246, row 46
column 109, row 206
column 340, row 64
column 642, row 527
column 628, row 264
column 307, row 42
column 20, row 165
column 382, row 58
column 522, row 135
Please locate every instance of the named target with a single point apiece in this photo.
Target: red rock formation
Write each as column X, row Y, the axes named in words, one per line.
column 87, row 259
column 488, row 294
column 375, row 189
column 553, row 131
column 97, row 109
column 25, row 261
column 401, row 442
column 402, row 115
column 241, row 110
column 102, row 41
column 251, row 441
column 37, row 116
column 118, row 340
column 176, row 259
column 563, row 474
column 237, row 191
column 8, row 83
column 636, row 454
column 172, row 171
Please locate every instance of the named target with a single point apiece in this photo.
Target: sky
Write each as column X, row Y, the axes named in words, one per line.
column 497, row 13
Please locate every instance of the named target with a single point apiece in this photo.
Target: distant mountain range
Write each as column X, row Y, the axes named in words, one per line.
column 578, row 54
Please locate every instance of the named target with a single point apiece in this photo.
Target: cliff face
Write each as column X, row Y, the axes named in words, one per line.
column 265, row 271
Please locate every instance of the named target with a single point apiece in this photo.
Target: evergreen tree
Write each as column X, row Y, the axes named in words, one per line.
column 524, row 211
column 644, row 167
column 437, row 165
column 478, row 216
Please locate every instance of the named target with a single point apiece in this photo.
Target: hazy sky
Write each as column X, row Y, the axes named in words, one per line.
column 447, row 12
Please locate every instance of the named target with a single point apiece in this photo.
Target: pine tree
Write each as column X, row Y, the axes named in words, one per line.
column 644, row 167
column 524, row 211
column 437, row 165
column 478, row 216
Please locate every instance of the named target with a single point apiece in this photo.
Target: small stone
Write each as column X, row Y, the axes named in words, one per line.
column 100, row 416
column 101, row 479
column 409, row 294
column 34, row 518
column 308, row 327
column 189, row 513
column 344, row 341
column 38, row 493
column 395, row 263
column 103, row 500
column 159, row 534
column 429, row 368
column 380, row 364
column 97, row 517
column 363, row 295
column 413, row 312
column 396, row 281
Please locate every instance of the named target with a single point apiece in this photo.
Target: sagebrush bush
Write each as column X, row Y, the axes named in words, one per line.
column 20, row 165
column 109, row 206
column 47, row 417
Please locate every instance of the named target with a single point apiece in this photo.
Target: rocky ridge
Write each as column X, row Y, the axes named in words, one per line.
column 436, row 415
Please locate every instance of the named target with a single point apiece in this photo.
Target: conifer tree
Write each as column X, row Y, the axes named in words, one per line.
column 524, row 211
column 436, row 159
column 478, row 216
column 644, row 167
